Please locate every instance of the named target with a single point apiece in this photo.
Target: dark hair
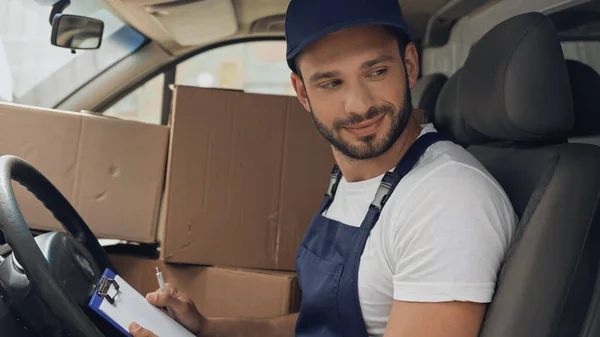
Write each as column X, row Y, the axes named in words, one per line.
column 401, row 37
column 403, row 41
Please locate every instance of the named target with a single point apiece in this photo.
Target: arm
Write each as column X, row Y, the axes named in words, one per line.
column 448, row 319
column 446, row 256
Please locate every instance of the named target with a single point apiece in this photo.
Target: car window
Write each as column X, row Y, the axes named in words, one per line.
column 255, row 67
column 144, row 104
column 587, row 52
column 34, row 72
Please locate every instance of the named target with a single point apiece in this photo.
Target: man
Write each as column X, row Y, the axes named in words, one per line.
column 410, row 238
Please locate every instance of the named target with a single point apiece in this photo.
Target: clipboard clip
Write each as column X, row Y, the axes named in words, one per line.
column 104, row 288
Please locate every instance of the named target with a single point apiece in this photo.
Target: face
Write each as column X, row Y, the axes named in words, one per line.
column 357, row 87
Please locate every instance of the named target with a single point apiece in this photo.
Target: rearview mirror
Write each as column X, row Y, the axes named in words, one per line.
column 76, row 32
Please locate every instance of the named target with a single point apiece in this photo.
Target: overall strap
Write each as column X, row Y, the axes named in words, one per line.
column 391, row 179
column 334, row 181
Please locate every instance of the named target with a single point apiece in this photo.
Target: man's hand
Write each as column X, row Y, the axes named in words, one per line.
column 183, row 309
column 137, row 331
column 185, row 312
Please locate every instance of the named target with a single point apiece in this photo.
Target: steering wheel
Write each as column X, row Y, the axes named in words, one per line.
column 44, row 279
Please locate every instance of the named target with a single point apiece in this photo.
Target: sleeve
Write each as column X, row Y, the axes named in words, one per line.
column 450, row 245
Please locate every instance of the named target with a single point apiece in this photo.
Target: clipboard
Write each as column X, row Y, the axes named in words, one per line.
column 120, row 304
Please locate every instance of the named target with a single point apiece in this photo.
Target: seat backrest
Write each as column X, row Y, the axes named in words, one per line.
column 585, row 87
column 511, row 105
column 425, row 93
column 591, row 326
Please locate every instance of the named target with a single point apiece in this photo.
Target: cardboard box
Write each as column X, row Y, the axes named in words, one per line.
column 112, row 171
column 218, row 292
column 246, row 173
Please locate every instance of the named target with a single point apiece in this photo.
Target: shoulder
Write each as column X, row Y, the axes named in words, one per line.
column 448, row 178
column 449, row 228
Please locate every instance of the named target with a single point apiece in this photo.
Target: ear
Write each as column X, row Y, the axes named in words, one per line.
column 411, row 61
column 300, row 89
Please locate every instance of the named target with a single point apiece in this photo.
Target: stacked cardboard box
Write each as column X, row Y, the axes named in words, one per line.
column 218, row 291
column 110, row 170
column 228, row 189
column 245, row 175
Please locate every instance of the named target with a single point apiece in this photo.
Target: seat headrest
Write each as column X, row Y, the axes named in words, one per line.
column 585, row 87
column 514, row 85
column 448, row 117
column 426, row 91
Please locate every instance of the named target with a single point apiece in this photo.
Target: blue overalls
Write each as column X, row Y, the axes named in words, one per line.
column 328, row 258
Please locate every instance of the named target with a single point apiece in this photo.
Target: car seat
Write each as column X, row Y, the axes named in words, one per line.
column 511, row 106
column 447, row 118
column 585, row 87
column 425, row 93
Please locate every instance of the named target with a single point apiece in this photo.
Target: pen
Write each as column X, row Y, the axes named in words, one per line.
column 161, row 283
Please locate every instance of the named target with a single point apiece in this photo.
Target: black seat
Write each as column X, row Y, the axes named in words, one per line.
column 585, row 86
column 511, row 106
column 591, row 326
column 447, row 117
column 425, row 93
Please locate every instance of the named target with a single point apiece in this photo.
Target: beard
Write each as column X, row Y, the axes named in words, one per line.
column 369, row 147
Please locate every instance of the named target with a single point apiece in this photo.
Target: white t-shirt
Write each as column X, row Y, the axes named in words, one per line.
column 442, row 235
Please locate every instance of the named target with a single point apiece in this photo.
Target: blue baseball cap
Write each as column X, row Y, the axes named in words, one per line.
column 307, row 21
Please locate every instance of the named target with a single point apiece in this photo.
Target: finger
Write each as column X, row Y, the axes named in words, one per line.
column 137, row 331
column 171, row 298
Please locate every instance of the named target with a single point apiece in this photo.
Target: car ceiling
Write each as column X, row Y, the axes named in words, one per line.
column 183, row 25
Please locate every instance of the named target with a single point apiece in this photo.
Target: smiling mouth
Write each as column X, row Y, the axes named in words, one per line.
column 366, row 124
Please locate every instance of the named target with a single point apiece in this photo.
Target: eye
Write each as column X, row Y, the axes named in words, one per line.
column 331, row 84
column 378, row 72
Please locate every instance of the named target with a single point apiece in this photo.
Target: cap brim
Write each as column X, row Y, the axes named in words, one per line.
column 337, row 27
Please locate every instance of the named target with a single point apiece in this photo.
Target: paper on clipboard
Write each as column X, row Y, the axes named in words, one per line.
column 130, row 306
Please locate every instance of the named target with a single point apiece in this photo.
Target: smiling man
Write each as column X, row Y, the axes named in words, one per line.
column 411, row 235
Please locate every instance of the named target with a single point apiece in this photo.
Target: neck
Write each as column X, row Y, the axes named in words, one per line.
column 359, row 170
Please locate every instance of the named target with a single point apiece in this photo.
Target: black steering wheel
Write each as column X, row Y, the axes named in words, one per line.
column 45, row 281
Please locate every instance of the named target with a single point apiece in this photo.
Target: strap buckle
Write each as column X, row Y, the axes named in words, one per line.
column 385, row 189
column 334, row 181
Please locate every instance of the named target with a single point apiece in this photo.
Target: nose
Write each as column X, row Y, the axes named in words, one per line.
column 359, row 99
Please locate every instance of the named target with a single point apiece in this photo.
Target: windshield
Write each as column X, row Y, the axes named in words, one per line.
column 34, row 72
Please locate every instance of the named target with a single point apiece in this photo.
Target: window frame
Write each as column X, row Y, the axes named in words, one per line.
column 169, row 70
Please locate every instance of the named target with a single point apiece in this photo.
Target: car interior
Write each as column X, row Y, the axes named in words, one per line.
column 509, row 92
column 522, row 140
column 426, row 92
